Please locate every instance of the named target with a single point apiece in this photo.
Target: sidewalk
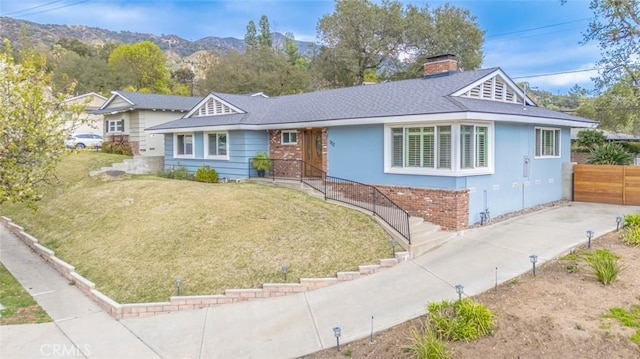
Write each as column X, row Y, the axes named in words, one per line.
column 300, row 324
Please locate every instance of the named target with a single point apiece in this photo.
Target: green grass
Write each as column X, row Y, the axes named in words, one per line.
column 629, row 319
column 631, row 235
column 135, row 236
column 20, row 308
column 427, row 345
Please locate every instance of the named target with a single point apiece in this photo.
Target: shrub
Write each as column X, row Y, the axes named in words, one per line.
column 461, row 320
column 118, row 145
column 427, row 345
column 631, row 236
column 181, row 173
column 631, row 147
column 632, row 220
column 609, row 154
column 605, row 265
column 206, row 174
column 590, row 138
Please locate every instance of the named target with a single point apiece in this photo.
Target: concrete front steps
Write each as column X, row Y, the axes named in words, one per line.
column 425, row 236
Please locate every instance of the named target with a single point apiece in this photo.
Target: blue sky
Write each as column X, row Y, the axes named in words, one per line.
column 524, row 38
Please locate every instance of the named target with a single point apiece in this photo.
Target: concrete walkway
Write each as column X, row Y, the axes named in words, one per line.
column 296, row 325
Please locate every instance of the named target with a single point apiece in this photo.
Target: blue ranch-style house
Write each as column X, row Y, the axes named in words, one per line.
column 452, row 147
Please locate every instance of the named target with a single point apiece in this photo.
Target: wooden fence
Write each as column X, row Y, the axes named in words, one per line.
column 607, row 184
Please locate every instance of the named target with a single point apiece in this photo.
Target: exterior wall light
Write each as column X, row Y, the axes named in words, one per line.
column 534, row 259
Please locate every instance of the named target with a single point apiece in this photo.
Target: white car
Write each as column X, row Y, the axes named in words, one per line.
column 83, row 140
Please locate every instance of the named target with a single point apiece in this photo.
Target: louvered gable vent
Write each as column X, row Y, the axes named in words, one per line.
column 214, row 107
column 494, row 89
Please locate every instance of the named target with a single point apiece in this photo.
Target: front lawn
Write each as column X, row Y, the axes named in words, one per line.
column 135, row 236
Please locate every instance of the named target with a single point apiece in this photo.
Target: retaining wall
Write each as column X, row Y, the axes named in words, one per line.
column 177, row 303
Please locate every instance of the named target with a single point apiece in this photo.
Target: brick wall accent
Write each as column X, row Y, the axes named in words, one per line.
column 279, row 151
column 178, row 303
column 448, row 209
column 440, row 67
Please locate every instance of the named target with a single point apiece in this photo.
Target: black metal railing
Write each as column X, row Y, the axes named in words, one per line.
column 342, row 190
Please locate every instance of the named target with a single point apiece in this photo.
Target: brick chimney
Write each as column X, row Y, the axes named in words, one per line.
column 441, row 65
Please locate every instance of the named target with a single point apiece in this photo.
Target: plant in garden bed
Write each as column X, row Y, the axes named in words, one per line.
column 609, row 154
column 427, row 344
column 605, row 265
column 463, row 320
column 631, row 236
column 632, row 220
column 206, row 174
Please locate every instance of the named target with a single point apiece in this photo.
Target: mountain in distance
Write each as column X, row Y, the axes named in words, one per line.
column 48, row 34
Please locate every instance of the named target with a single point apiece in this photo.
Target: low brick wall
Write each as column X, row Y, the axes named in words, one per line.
column 177, row 303
column 448, row 209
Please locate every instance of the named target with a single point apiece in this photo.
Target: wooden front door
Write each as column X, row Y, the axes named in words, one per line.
column 312, row 150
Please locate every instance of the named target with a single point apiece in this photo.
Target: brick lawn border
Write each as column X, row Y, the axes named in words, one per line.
column 177, row 303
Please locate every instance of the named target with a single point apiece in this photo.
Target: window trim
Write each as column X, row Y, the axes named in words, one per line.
column 115, row 122
column 557, row 143
column 206, row 146
column 175, row 145
column 455, row 170
column 282, row 142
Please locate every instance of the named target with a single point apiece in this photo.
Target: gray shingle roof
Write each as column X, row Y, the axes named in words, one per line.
column 142, row 101
column 399, row 98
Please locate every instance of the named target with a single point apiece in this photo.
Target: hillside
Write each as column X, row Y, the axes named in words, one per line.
column 46, row 35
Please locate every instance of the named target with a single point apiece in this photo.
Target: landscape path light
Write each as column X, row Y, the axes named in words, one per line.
column 589, row 238
column 178, row 285
column 459, row 290
column 534, row 259
column 393, row 247
column 285, row 270
column 337, row 332
column 618, row 223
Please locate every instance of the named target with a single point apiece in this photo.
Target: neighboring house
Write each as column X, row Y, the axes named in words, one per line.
column 92, row 123
column 610, row 136
column 128, row 114
column 451, row 147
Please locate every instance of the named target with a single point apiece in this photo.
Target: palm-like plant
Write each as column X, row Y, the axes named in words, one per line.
column 609, row 154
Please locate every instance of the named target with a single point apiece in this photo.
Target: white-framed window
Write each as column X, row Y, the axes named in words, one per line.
column 447, row 149
column 289, row 137
column 115, row 126
column 183, row 145
column 547, row 142
column 216, row 145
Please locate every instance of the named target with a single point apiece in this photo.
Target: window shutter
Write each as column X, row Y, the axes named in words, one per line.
column 481, row 146
column 413, row 147
column 397, row 151
column 466, row 146
column 444, row 147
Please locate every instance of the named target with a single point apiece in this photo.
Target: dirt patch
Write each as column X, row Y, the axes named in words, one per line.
column 556, row 314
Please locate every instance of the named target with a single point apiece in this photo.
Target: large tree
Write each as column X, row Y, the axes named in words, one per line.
column 617, row 109
column 260, row 70
column 33, row 126
column 142, row 66
column 616, row 28
column 363, row 36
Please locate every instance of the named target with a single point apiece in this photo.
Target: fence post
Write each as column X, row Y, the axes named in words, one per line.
column 324, row 179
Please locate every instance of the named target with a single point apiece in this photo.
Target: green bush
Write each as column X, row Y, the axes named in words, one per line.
column 609, row 154
column 461, row 320
column 427, row 345
column 631, row 147
column 605, row 265
column 631, row 236
column 181, row 173
column 632, row 220
column 590, row 138
column 206, row 174
column 118, row 145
